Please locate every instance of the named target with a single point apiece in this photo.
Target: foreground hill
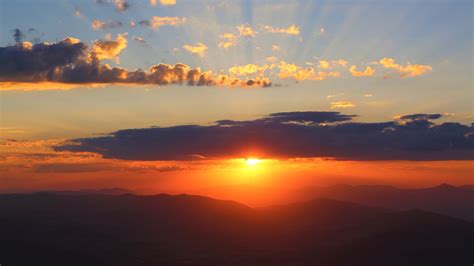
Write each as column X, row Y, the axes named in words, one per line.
column 54, row 229
column 443, row 199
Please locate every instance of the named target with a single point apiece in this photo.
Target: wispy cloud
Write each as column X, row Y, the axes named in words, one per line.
column 157, row 22
column 291, row 30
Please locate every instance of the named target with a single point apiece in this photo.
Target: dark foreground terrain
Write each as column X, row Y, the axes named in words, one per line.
column 68, row 229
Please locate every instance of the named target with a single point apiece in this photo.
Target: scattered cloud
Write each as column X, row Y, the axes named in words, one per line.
column 157, row 22
column 199, row 49
column 342, row 104
column 368, row 72
column 334, row 95
column 248, row 69
column 69, row 63
column 275, row 48
column 121, row 5
column 78, row 13
column 409, row 70
column 293, row 71
column 168, row 2
column 287, row 135
column 246, row 30
column 109, row 48
column 291, row 30
column 139, row 39
column 98, row 24
column 228, row 40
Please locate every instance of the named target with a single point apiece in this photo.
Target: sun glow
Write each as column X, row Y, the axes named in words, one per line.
column 252, row 161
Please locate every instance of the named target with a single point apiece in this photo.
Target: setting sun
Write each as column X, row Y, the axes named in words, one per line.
column 252, row 161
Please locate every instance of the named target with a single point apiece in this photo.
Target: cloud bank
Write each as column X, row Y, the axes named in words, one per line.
column 289, row 135
column 72, row 62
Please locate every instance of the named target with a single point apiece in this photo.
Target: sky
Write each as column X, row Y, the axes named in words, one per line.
column 167, row 95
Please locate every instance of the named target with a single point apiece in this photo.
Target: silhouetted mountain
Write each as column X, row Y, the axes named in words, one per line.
column 103, row 191
column 51, row 229
column 443, row 199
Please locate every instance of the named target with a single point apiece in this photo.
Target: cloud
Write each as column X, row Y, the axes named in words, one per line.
column 168, row 2
column 199, row 49
column 139, row 39
column 293, row 71
column 287, row 135
column 98, row 24
column 157, row 22
column 414, row 117
column 275, row 48
column 291, row 30
column 121, row 5
column 18, row 35
column 109, row 48
column 334, row 95
column 228, row 40
column 70, row 62
column 342, row 104
column 248, row 69
column 78, row 13
column 409, row 70
column 246, row 30
column 368, row 72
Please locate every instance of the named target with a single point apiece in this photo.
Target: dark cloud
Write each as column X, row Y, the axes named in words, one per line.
column 421, row 117
column 288, row 135
column 18, row 35
column 73, row 62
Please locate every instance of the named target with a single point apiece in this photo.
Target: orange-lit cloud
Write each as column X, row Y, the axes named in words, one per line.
column 342, row 104
column 368, row 72
column 246, row 30
column 80, row 66
column 293, row 71
column 409, row 70
column 121, row 5
column 228, row 40
column 275, row 48
column 109, row 48
column 167, row 2
column 248, row 69
column 291, row 30
column 199, row 49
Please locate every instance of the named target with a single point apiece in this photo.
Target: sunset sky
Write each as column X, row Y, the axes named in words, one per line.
column 176, row 96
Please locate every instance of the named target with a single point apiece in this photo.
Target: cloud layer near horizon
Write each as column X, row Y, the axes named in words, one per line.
column 290, row 135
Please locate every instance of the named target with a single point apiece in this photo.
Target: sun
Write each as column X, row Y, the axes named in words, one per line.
column 252, row 161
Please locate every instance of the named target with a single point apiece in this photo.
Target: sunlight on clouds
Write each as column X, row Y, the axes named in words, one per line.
column 342, row 104
column 228, row 40
column 167, row 2
column 109, row 48
column 368, row 72
column 199, row 49
column 246, row 30
column 292, row 30
column 408, row 70
column 157, row 22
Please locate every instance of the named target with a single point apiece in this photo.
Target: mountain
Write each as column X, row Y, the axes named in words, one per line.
column 443, row 199
column 103, row 191
column 56, row 229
